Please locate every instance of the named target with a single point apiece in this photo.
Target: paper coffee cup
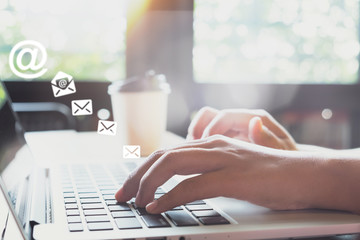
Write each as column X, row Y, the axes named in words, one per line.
column 140, row 109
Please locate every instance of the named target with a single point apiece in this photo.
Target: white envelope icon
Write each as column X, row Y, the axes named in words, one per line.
column 107, row 128
column 131, row 151
column 81, row 107
column 63, row 84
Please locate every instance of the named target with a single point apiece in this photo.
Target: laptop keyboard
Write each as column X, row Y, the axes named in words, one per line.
column 89, row 202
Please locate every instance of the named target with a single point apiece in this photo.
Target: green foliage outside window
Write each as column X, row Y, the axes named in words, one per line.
column 84, row 38
column 276, row 41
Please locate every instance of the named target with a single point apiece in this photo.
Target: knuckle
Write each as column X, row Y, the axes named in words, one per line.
column 168, row 157
column 205, row 109
column 157, row 154
column 224, row 113
column 263, row 114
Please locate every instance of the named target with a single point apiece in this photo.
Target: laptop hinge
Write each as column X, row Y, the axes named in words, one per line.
column 40, row 201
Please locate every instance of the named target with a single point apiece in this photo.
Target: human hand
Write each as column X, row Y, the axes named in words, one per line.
column 254, row 126
column 226, row 167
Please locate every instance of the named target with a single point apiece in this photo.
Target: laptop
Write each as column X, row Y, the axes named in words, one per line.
column 76, row 201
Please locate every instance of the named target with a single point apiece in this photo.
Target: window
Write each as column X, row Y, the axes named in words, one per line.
column 85, row 38
column 276, row 41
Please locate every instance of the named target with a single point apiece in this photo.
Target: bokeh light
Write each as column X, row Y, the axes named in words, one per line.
column 276, row 41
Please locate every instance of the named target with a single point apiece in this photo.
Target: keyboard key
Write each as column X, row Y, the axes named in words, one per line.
column 108, row 192
column 74, row 219
column 94, row 212
column 181, row 218
column 75, row 227
column 122, row 214
column 100, row 226
column 69, row 200
column 213, row 220
column 68, row 190
column 84, row 187
column 111, row 202
column 205, row 213
column 119, row 207
column 88, row 195
column 106, row 188
column 72, row 213
column 92, row 206
column 127, row 223
column 198, row 207
column 155, row 221
column 141, row 211
column 81, row 191
column 101, row 218
column 198, row 202
column 90, row 200
column 107, row 183
column 71, row 206
column 109, row 197
column 176, row 208
column 67, row 185
column 68, row 195
column 160, row 191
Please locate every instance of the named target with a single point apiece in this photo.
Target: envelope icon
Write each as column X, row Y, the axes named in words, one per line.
column 107, row 128
column 63, row 84
column 131, row 151
column 81, row 107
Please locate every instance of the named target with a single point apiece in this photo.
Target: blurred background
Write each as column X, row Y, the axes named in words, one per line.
column 297, row 59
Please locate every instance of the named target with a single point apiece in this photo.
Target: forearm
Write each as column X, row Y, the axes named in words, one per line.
column 332, row 182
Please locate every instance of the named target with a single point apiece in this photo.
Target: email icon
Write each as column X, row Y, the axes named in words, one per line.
column 81, row 107
column 131, row 151
column 107, row 128
column 63, row 84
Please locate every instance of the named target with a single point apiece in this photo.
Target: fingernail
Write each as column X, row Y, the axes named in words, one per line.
column 152, row 206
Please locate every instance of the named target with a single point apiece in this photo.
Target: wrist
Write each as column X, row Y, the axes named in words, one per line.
column 301, row 179
column 329, row 181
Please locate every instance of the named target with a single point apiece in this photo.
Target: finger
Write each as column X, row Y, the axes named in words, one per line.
column 238, row 120
column 261, row 135
column 224, row 122
column 204, row 186
column 131, row 185
column 200, row 121
column 183, row 162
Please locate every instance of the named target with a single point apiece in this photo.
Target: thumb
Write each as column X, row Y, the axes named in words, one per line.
column 261, row 135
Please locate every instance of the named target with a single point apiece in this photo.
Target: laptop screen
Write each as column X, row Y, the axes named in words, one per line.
column 16, row 162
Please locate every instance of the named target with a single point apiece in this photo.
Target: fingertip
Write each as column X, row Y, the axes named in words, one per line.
column 120, row 195
column 257, row 123
column 255, row 129
column 152, row 207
